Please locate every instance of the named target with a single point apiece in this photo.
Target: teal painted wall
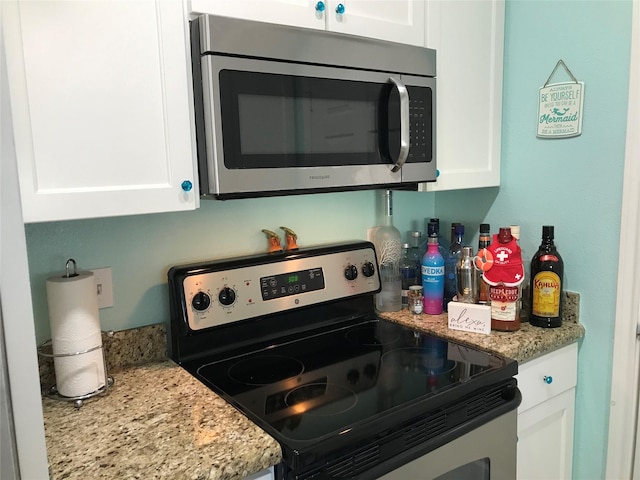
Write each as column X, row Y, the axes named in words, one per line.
column 574, row 184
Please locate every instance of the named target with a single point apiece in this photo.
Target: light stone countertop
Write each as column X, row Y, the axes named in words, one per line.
column 156, row 422
column 159, row 422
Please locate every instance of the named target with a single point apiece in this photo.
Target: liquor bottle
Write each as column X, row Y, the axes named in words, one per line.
column 524, row 286
column 415, row 240
column 408, row 272
column 546, row 283
column 433, row 227
column 389, row 251
column 453, row 256
column 433, row 278
column 504, row 279
column 484, row 240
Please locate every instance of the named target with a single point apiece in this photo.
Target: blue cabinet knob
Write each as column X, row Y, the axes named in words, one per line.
column 340, row 9
column 437, row 173
column 320, row 7
column 548, row 379
column 187, row 186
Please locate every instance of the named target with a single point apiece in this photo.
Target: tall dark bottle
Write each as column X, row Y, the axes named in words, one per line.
column 546, row 285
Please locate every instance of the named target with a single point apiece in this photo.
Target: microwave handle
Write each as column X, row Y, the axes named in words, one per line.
column 404, row 123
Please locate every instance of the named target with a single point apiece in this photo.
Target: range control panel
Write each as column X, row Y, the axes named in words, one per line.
column 218, row 296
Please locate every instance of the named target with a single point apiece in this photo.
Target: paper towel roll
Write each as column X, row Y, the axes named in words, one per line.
column 75, row 327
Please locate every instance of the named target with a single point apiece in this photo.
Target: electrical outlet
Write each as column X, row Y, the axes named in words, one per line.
column 104, row 286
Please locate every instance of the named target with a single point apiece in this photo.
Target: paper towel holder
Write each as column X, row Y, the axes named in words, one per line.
column 109, row 381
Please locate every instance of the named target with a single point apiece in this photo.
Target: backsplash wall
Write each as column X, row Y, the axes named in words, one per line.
column 140, row 249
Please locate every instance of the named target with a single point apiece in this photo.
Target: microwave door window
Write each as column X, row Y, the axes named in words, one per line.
column 282, row 121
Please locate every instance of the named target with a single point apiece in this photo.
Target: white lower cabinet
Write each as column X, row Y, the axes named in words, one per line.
column 545, row 416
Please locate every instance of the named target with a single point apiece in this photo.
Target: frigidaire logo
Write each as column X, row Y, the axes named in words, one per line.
column 319, row 177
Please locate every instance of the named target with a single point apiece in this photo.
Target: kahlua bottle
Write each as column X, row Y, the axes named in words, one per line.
column 546, row 284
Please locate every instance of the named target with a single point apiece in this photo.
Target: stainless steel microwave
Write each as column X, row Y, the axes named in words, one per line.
column 285, row 110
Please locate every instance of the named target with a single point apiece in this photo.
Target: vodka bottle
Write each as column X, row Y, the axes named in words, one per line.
column 453, row 256
column 546, row 283
column 433, row 226
column 408, row 272
column 389, row 251
column 433, row 278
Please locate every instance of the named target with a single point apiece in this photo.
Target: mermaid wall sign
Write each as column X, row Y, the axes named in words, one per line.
column 560, row 107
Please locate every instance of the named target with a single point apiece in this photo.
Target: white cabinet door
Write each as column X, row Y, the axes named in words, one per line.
column 468, row 37
column 399, row 21
column 545, row 439
column 299, row 13
column 545, row 416
column 102, row 110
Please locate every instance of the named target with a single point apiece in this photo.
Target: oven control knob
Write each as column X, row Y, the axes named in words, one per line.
column 368, row 269
column 201, row 301
column 351, row 272
column 227, row 296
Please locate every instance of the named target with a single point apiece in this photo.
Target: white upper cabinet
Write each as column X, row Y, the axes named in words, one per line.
column 102, row 109
column 468, row 36
column 399, row 21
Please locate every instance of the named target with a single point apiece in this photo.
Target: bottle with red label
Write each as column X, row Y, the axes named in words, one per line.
column 504, row 277
column 546, row 283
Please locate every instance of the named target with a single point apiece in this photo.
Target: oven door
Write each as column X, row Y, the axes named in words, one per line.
column 485, row 453
column 275, row 126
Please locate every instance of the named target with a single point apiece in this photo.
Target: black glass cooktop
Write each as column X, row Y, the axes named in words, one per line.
column 348, row 377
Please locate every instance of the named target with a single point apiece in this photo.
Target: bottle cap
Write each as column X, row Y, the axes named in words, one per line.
column 485, row 228
column 547, row 232
column 432, row 228
column 405, row 246
column 467, row 251
column 505, row 235
column 416, row 234
column 458, row 229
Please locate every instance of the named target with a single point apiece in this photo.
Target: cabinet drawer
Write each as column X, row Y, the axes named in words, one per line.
column 547, row 376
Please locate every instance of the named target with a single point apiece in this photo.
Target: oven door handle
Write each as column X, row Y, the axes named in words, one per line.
column 404, row 123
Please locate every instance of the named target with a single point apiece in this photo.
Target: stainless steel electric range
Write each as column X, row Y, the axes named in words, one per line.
column 292, row 340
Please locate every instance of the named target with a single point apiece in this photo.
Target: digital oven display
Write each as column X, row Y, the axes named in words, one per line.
column 292, row 283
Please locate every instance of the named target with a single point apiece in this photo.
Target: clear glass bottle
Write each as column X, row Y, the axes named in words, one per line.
column 432, row 278
column 451, row 260
column 546, row 283
column 388, row 246
column 484, row 240
column 408, row 272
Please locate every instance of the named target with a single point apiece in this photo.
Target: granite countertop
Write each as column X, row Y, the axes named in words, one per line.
column 159, row 422
column 156, row 422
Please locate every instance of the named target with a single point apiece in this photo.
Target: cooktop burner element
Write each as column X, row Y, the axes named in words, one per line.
column 321, row 372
